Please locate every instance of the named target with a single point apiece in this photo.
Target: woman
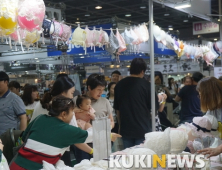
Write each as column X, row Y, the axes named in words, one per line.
column 110, row 97
column 50, row 136
column 29, row 97
column 63, row 86
column 172, row 86
column 210, row 92
column 95, row 86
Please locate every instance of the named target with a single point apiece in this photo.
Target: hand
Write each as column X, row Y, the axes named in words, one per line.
column 162, row 97
column 1, row 145
column 81, row 124
column 91, row 115
column 210, row 152
column 115, row 136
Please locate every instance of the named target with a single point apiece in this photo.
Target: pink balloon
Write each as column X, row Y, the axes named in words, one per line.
column 28, row 25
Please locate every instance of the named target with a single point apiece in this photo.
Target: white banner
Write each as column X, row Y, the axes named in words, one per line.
column 188, row 67
column 205, row 27
column 217, row 72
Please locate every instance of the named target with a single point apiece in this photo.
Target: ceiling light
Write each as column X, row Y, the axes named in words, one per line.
column 36, row 58
column 87, row 15
column 98, row 7
column 185, row 20
column 143, row 6
column 80, row 54
column 128, row 66
column 82, row 57
column 215, row 39
column 170, row 26
column 218, row 20
column 37, row 61
column 77, row 22
column 170, row 29
column 182, row 5
column 166, row 15
column 128, row 15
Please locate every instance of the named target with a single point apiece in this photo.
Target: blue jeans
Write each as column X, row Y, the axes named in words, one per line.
column 130, row 142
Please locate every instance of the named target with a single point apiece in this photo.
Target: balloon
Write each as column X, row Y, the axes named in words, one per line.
column 32, row 37
column 7, row 23
column 31, row 14
column 25, row 24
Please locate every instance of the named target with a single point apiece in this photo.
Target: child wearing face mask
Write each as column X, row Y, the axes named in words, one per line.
column 84, row 103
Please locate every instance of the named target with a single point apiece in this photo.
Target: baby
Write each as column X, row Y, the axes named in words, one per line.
column 84, row 103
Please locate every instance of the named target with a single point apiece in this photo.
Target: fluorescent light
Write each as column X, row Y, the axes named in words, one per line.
column 218, row 20
column 170, row 26
column 37, row 61
column 98, row 7
column 77, row 22
column 185, row 20
column 170, row 29
column 215, row 39
column 82, row 57
column 183, row 5
column 36, row 58
column 166, row 15
column 128, row 66
column 128, row 15
column 80, row 54
column 87, row 15
column 143, row 6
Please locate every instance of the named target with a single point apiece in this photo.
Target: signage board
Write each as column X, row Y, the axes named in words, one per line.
column 217, row 72
column 205, row 27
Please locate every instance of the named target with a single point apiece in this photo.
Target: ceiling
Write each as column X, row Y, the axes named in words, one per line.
column 75, row 10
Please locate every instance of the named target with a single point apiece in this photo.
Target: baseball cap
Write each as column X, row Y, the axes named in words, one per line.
column 197, row 76
column 4, row 76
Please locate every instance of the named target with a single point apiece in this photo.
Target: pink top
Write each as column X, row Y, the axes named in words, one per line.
column 122, row 44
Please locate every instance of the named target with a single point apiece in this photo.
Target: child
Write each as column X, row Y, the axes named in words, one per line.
column 84, row 103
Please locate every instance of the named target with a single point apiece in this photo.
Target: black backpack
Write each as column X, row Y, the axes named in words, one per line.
column 9, row 139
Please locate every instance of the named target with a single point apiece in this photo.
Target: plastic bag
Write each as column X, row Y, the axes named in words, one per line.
column 101, row 138
column 4, row 164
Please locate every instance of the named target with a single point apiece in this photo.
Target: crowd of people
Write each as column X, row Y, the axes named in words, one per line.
column 61, row 121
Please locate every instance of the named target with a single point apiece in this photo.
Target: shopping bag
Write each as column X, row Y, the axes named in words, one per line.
column 101, row 138
column 4, row 164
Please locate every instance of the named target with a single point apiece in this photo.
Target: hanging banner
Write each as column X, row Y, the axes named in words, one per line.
column 205, row 27
column 217, row 72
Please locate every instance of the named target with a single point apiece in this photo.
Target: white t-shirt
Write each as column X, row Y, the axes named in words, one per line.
column 172, row 91
column 31, row 106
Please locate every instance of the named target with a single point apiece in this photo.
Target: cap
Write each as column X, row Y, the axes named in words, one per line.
column 197, row 76
column 4, row 76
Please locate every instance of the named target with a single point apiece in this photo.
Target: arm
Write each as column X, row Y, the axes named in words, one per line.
column 177, row 99
column 162, row 98
column 211, row 151
column 84, row 147
column 23, row 122
column 111, row 120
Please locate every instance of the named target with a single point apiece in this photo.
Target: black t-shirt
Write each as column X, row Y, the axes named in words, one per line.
column 190, row 106
column 133, row 100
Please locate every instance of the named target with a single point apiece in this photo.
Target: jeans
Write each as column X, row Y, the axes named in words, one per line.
column 130, row 142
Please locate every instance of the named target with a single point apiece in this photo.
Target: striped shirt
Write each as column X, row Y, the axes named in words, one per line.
column 48, row 140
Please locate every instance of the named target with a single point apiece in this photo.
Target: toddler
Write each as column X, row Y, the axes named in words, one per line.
column 84, row 103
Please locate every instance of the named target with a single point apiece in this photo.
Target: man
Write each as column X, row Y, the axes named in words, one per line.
column 12, row 108
column 132, row 101
column 14, row 87
column 115, row 76
column 190, row 106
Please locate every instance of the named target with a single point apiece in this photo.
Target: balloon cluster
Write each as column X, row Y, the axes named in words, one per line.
column 22, row 20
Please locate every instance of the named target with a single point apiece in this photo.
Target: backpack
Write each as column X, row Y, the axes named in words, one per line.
column 9, row 139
